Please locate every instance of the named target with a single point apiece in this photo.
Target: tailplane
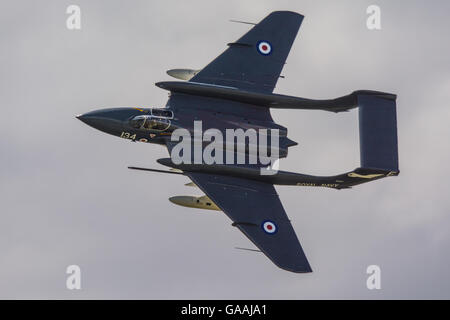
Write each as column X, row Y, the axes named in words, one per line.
column 378, row 131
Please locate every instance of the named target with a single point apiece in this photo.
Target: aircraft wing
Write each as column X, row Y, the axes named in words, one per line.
column 254, row 62
column 255, row 208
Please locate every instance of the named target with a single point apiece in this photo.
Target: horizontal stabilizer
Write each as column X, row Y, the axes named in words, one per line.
column 378, row 132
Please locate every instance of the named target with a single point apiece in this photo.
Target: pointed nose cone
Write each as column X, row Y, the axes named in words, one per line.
column 107, row 120
column 82, row 117
column 94, row 119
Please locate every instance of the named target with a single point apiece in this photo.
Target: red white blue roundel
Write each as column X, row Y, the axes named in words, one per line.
column 269, row 227
column 264, row 47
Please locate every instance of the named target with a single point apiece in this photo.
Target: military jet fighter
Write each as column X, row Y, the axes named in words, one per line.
column 235, row 91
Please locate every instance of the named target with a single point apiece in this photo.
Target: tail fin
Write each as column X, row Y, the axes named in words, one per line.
column 378, row 143
column 378, row 130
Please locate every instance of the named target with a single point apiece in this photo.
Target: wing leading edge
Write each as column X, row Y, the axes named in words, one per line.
column 254, row 62
column 255, row 208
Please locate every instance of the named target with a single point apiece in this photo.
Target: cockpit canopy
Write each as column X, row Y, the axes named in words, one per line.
column 161, row 113
column 153, row 119
column 146, row 122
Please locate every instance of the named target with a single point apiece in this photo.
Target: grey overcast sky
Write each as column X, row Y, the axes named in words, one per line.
column 68, row 198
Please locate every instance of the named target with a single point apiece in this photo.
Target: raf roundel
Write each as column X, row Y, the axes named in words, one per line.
column 269, row 227
column 264, row 47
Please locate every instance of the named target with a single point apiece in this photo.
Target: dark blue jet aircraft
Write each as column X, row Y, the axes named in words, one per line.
column 234, row 91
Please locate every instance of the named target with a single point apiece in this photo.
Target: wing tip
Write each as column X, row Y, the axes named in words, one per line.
column 287, row 12
column 298, row 269
column 299, row 265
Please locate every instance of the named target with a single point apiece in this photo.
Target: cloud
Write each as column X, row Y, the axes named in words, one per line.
column 67, row 197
